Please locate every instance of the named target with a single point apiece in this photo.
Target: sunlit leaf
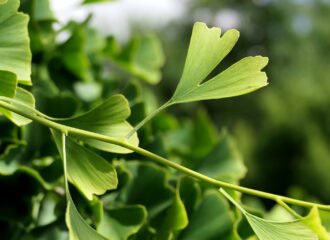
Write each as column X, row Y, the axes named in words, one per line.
column 15, row 55
column 269, row 230
column 109, row 119
column 78, row 227
column 26, row 98
column 120, row 223
column 206, row 51
column 313, row 221
column 89, row 172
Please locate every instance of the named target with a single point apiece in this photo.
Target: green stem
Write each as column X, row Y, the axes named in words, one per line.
column 65, row 164
column 148, row 118
column 159, row 159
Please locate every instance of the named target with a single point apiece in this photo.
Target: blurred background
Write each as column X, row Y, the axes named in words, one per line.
column 283, row 130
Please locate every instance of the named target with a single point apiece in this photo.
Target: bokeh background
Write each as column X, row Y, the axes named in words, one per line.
column 283, row 130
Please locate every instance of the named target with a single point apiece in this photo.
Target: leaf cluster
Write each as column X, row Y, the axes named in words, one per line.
column 88, row 178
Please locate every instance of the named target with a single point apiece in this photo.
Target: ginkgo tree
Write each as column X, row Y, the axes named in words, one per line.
column 111, row 190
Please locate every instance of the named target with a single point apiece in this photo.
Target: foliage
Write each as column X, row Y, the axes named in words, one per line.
column 91, row 178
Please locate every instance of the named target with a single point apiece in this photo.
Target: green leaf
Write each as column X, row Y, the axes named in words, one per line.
column 148, row 59
column 152, row 181
column 89, row 172
column 3, row 1
column 175, row 218
column 78, row 228
column 42, row 11
column 190, row 193
column 212, row 219
column 224, row 162
column 269, row 230
column 207, row 49
column 313, row 221
column 15, row 52
column 73, row 53
column 11, row 163
column 22, row 98
column 121, row 223
column 8, row 84
column 107, row 119
column 143, row 57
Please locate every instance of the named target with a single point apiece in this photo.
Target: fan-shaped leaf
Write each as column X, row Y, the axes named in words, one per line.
column 307, row 228
column 22, row 97
column 8, row 84
column 78, row 227
column 120, row 223
column 206, row 51
column 89, row 172
column 15, row 52
column 107, row 119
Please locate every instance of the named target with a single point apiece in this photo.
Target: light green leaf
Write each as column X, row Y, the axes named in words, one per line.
column 148, row 59
column 89, row 172
column 78, row 227
column 175, row 218
column 313, row 221
column 120, row 223
column 8, row 84
column 143, row 57
column 107, row 119
column 207, row 49
column 3, row 1
column 270, row 230
column 22, row 98
column 42, row 11
column 15, row 54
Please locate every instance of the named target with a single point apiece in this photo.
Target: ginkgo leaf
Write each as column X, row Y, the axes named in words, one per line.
column 15, row 51
column 207, row 49
column 313, row 221
column 271, row 230
column 22, row 98
column 109, row 119
column 78, row 227
column 8, row 84
column 122, row 222
column 89, row 172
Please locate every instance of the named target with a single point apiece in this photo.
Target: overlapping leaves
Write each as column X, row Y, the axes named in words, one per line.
column 307, row 228
column 108, row 119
